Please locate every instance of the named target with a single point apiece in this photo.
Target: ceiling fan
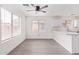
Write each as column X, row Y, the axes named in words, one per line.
column 37, row 7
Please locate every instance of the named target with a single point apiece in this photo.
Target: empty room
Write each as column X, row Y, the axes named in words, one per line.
column 39, row 29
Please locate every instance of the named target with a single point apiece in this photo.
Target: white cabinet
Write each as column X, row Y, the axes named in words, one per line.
column 69, row 40
column 63, row 39
column 75, row 43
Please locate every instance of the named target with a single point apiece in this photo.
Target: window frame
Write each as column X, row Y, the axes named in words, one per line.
column 19, row 17
column 1, row 23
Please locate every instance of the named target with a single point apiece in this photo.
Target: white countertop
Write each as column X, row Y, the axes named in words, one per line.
column 67, row 32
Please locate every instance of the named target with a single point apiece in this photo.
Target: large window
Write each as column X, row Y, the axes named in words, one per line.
column 10, row 24
column 16, row 25
column 5, row 24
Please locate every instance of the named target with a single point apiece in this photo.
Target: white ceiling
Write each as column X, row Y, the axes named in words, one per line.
column 54, row 9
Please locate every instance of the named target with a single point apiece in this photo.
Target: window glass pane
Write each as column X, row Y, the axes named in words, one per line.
column 76, row 23
column 35, row 26
column 16, row 25
column 5, row 24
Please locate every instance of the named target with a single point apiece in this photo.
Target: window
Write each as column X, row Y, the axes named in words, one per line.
column 35, row 26
column 76, row 23
column 16, row 25
column 10, row 24
column 5, row 24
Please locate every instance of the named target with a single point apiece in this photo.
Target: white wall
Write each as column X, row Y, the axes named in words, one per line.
column 46, row 32
column 43, row 33
column 10, row 44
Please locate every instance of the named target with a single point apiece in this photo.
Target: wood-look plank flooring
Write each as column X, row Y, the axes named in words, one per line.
column 39, row 47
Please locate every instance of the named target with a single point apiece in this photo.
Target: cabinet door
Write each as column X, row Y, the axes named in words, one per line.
column 75, row 43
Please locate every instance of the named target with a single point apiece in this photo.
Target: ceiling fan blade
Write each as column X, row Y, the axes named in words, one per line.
column 44, row 7
column 26, row 5
column 30, row 10
column 43, row 11
column 33, row 5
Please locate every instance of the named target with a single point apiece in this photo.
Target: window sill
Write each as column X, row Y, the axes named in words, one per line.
column 8, row 39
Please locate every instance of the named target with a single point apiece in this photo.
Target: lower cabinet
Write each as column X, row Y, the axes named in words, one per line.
column 63, row 39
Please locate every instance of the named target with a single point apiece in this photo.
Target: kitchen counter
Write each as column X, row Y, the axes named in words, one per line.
column 68, row 39
column 67, row 32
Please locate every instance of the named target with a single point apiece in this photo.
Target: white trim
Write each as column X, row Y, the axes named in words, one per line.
column 0, row 24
